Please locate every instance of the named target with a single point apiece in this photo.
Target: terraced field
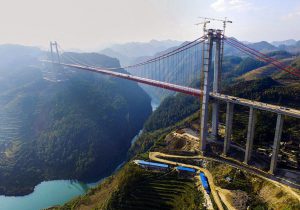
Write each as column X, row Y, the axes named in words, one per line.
column 10, row 126
column 162, row 191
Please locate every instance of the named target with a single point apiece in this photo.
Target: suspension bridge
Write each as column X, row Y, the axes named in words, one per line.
column 198, row 60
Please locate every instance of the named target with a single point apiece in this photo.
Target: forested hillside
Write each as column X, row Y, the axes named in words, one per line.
column 80, row 128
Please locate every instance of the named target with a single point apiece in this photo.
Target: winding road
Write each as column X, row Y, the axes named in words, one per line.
column 157, row 156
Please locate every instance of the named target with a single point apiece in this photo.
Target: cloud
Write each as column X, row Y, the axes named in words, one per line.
column 225, row 5
column 292, row 15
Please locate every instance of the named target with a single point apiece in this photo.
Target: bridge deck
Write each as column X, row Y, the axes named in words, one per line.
column 257, row 105
column 190, row 91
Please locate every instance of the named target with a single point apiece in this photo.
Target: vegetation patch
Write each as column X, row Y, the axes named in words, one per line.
column 137, row 188
column 261, row 194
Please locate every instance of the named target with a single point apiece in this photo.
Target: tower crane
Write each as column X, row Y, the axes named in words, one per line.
column 205, row 22
column 224, row 21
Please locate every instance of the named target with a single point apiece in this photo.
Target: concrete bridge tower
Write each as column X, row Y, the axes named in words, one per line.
column 212, row 36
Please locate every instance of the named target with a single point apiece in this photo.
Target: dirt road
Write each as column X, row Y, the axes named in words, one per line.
column 153, row 156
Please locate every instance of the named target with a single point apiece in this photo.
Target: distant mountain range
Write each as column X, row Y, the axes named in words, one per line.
column 131, row 52
column 287, row 42
column 262, row 46
column 128, row 52
column 290, row 46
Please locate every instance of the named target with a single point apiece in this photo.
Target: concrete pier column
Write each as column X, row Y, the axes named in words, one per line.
column 216, row 84
column 215, row 119
column 57, row 52
column 250, row 134
column 205, row 97
column 228, row 128
column 276, row 145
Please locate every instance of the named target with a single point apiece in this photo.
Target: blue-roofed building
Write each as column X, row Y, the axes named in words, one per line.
column 185, row 172
column 151, row 165
column 185, row 169
column 204, row 182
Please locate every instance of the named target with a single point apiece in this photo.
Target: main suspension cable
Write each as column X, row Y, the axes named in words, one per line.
column 266, row 59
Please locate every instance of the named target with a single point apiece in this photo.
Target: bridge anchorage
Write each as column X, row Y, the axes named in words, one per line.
column 208, row 65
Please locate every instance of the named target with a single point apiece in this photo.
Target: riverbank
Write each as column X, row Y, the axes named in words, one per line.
column 49, row 193
column 45, row 194
column 53, row 192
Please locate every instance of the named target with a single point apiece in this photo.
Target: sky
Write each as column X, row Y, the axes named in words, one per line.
column 92, row 24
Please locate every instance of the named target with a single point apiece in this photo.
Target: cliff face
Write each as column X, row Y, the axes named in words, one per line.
column 79, row 128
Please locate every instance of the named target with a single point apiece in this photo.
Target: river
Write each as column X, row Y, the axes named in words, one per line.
column 45, row 194
column 51, row 193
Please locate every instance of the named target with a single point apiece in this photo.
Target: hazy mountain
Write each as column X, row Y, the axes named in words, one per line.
column 12, row 55
column 124, row 59
column 287, row 42
column 263, row 46
column 295, row 48
column 246, row 42
column 127, row 52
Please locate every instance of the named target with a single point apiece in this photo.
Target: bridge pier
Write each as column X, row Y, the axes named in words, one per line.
column 276, row 144
column 250, row 135
column 228, row 128
column 216, row 85
column 215, row 119
column 205, row 97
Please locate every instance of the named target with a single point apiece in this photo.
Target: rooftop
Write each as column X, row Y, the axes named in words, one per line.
column 142, row 162
column 182, row 168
